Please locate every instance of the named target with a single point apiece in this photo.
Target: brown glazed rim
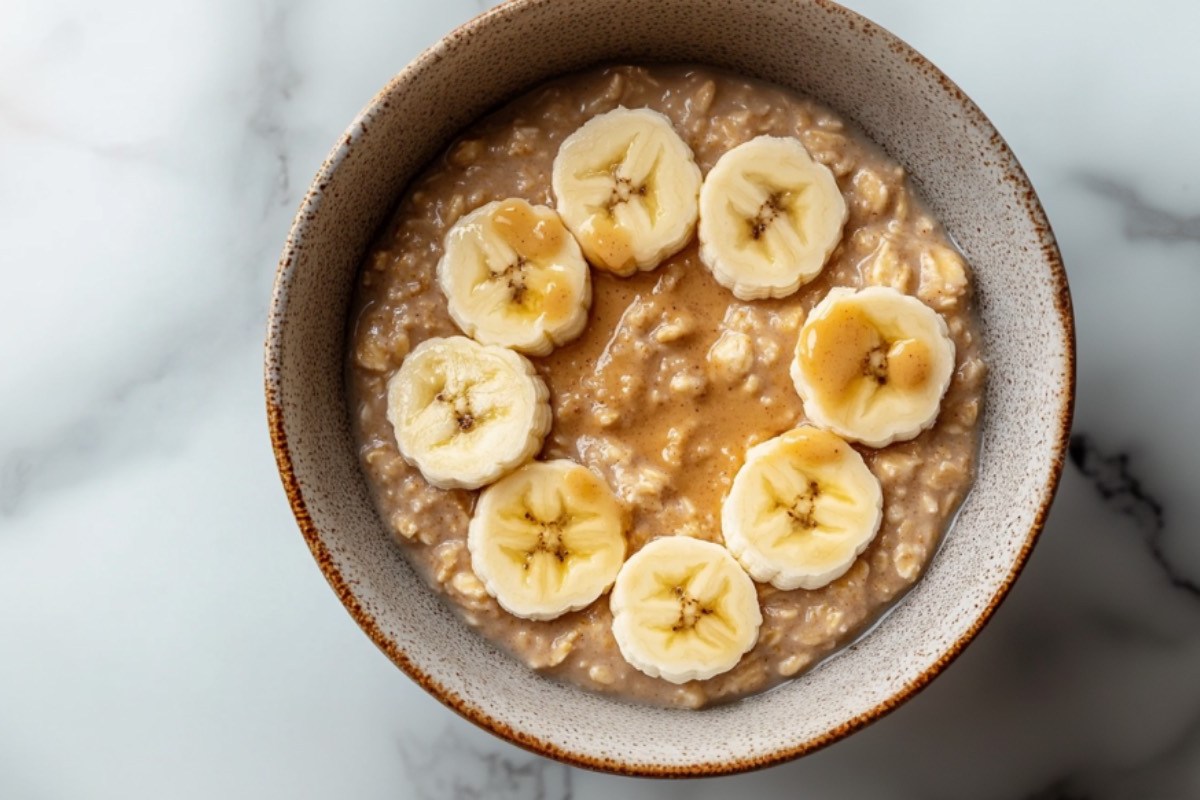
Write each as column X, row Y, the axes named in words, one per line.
column 1014, row 174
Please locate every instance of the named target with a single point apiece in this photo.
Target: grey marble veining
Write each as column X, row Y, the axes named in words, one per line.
column 1144, row 220
column 1122, row 491
column 449, row 765
column 163, row 631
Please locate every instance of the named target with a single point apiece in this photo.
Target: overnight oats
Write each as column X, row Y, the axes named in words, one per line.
column 667, row 381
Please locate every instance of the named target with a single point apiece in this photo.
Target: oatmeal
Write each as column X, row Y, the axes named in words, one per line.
column 673, row 379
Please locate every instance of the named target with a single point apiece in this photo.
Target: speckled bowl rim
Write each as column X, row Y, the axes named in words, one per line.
column 1057, row 453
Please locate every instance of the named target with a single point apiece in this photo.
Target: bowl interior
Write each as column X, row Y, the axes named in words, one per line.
column 971, row 182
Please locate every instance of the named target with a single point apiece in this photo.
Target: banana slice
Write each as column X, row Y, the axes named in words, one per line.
column 626, row 185
column 801, row 509
column 547, row 539
column 683, row 610
column 513, row 276
column 466, row 413
column 873, row 365
column 769, row 218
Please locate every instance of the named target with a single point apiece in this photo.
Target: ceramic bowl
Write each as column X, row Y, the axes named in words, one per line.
column 973, row 184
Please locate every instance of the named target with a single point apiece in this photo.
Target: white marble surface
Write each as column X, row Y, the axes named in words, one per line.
column 164, row 632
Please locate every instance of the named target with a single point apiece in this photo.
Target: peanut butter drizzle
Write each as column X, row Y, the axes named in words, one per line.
column 608, row 245
column 835, row 350
column 557, row 302
column 583, row 486
column 532, row 235
column 843, row 347
column 909, row 364
column 814, row 446
column 536, row 237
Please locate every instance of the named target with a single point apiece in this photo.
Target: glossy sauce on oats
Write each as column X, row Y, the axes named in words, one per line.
column 673, row 378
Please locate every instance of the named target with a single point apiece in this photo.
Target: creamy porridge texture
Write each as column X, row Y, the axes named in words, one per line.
column 673, row 379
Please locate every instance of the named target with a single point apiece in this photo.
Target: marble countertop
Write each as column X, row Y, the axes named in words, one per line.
column 163, row 631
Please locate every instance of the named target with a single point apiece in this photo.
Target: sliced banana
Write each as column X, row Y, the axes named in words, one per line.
column 683, row 610
column 769, row 218
column 873, row 365
column 547, row 539
column 466, row 413
column 513, row 276
column 801, row 509
column 626, row 185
